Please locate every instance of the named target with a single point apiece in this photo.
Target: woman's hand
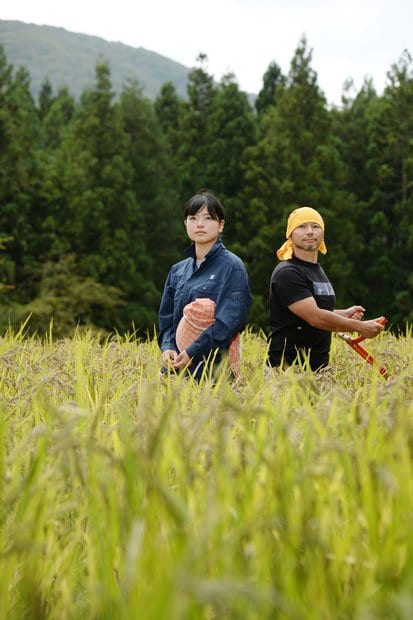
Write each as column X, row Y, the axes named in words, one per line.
column 169, row 356
column 182, row 360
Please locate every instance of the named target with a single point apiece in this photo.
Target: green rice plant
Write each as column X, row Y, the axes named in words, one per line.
column 125, row 493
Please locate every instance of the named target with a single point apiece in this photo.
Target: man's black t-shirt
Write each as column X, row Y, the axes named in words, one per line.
column 291, row 281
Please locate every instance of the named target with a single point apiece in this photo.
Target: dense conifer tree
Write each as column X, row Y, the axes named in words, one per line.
column 97, row 188
column 7, row 265
column 169, row 107
column 104, row 224
column 350, row 128
column 230, row 130
column 154, row 184
column 193, row 130
column 19, row 161
column 45, row 98
column 273, row 82
column 58, row 117
column 294, row 163
column 389, row 221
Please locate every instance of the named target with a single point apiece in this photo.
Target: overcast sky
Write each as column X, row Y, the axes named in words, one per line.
column 349, row 38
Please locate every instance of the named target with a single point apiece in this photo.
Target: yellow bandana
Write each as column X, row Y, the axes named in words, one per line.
column 296, row 218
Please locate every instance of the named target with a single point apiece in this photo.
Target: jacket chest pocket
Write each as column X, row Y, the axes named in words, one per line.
column 208, row 288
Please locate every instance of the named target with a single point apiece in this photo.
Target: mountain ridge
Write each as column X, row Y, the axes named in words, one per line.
column 69, row 59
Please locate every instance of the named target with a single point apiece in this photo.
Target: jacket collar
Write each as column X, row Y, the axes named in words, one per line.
column 216, row 248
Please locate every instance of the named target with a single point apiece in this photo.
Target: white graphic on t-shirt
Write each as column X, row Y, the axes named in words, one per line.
column 323, row 288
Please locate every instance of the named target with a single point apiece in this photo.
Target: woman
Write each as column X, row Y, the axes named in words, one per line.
column 210, row 273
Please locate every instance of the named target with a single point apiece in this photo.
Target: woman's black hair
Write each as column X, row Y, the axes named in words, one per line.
column 205, row 198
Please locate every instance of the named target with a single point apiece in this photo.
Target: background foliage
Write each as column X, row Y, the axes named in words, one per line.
column 92, row 191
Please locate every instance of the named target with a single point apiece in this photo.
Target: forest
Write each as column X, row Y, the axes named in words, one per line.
column 92, row 191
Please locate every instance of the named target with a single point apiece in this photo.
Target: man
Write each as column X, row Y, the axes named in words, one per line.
column 302, row 299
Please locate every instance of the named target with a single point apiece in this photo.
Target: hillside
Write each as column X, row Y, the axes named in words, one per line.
column 67, row 58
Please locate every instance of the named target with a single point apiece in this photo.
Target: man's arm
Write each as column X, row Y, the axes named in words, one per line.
column 309, row 312
column 353, row 312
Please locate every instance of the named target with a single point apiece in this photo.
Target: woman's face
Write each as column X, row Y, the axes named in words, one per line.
column 201, row 228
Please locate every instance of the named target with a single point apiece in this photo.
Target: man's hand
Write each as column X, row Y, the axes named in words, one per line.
column 354, row 312
column 372, row 328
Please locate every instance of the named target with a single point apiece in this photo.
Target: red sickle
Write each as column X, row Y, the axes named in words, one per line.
column 355, row 344
column 382, row 320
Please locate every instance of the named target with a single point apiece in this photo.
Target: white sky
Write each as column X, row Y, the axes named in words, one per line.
column 349, row 38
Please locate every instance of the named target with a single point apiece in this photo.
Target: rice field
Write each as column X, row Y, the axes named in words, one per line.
column 125, row 494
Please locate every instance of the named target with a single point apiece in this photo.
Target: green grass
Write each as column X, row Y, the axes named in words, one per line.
column 128, row 495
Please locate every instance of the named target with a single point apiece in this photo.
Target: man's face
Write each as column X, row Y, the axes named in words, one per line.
column 307, row 237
